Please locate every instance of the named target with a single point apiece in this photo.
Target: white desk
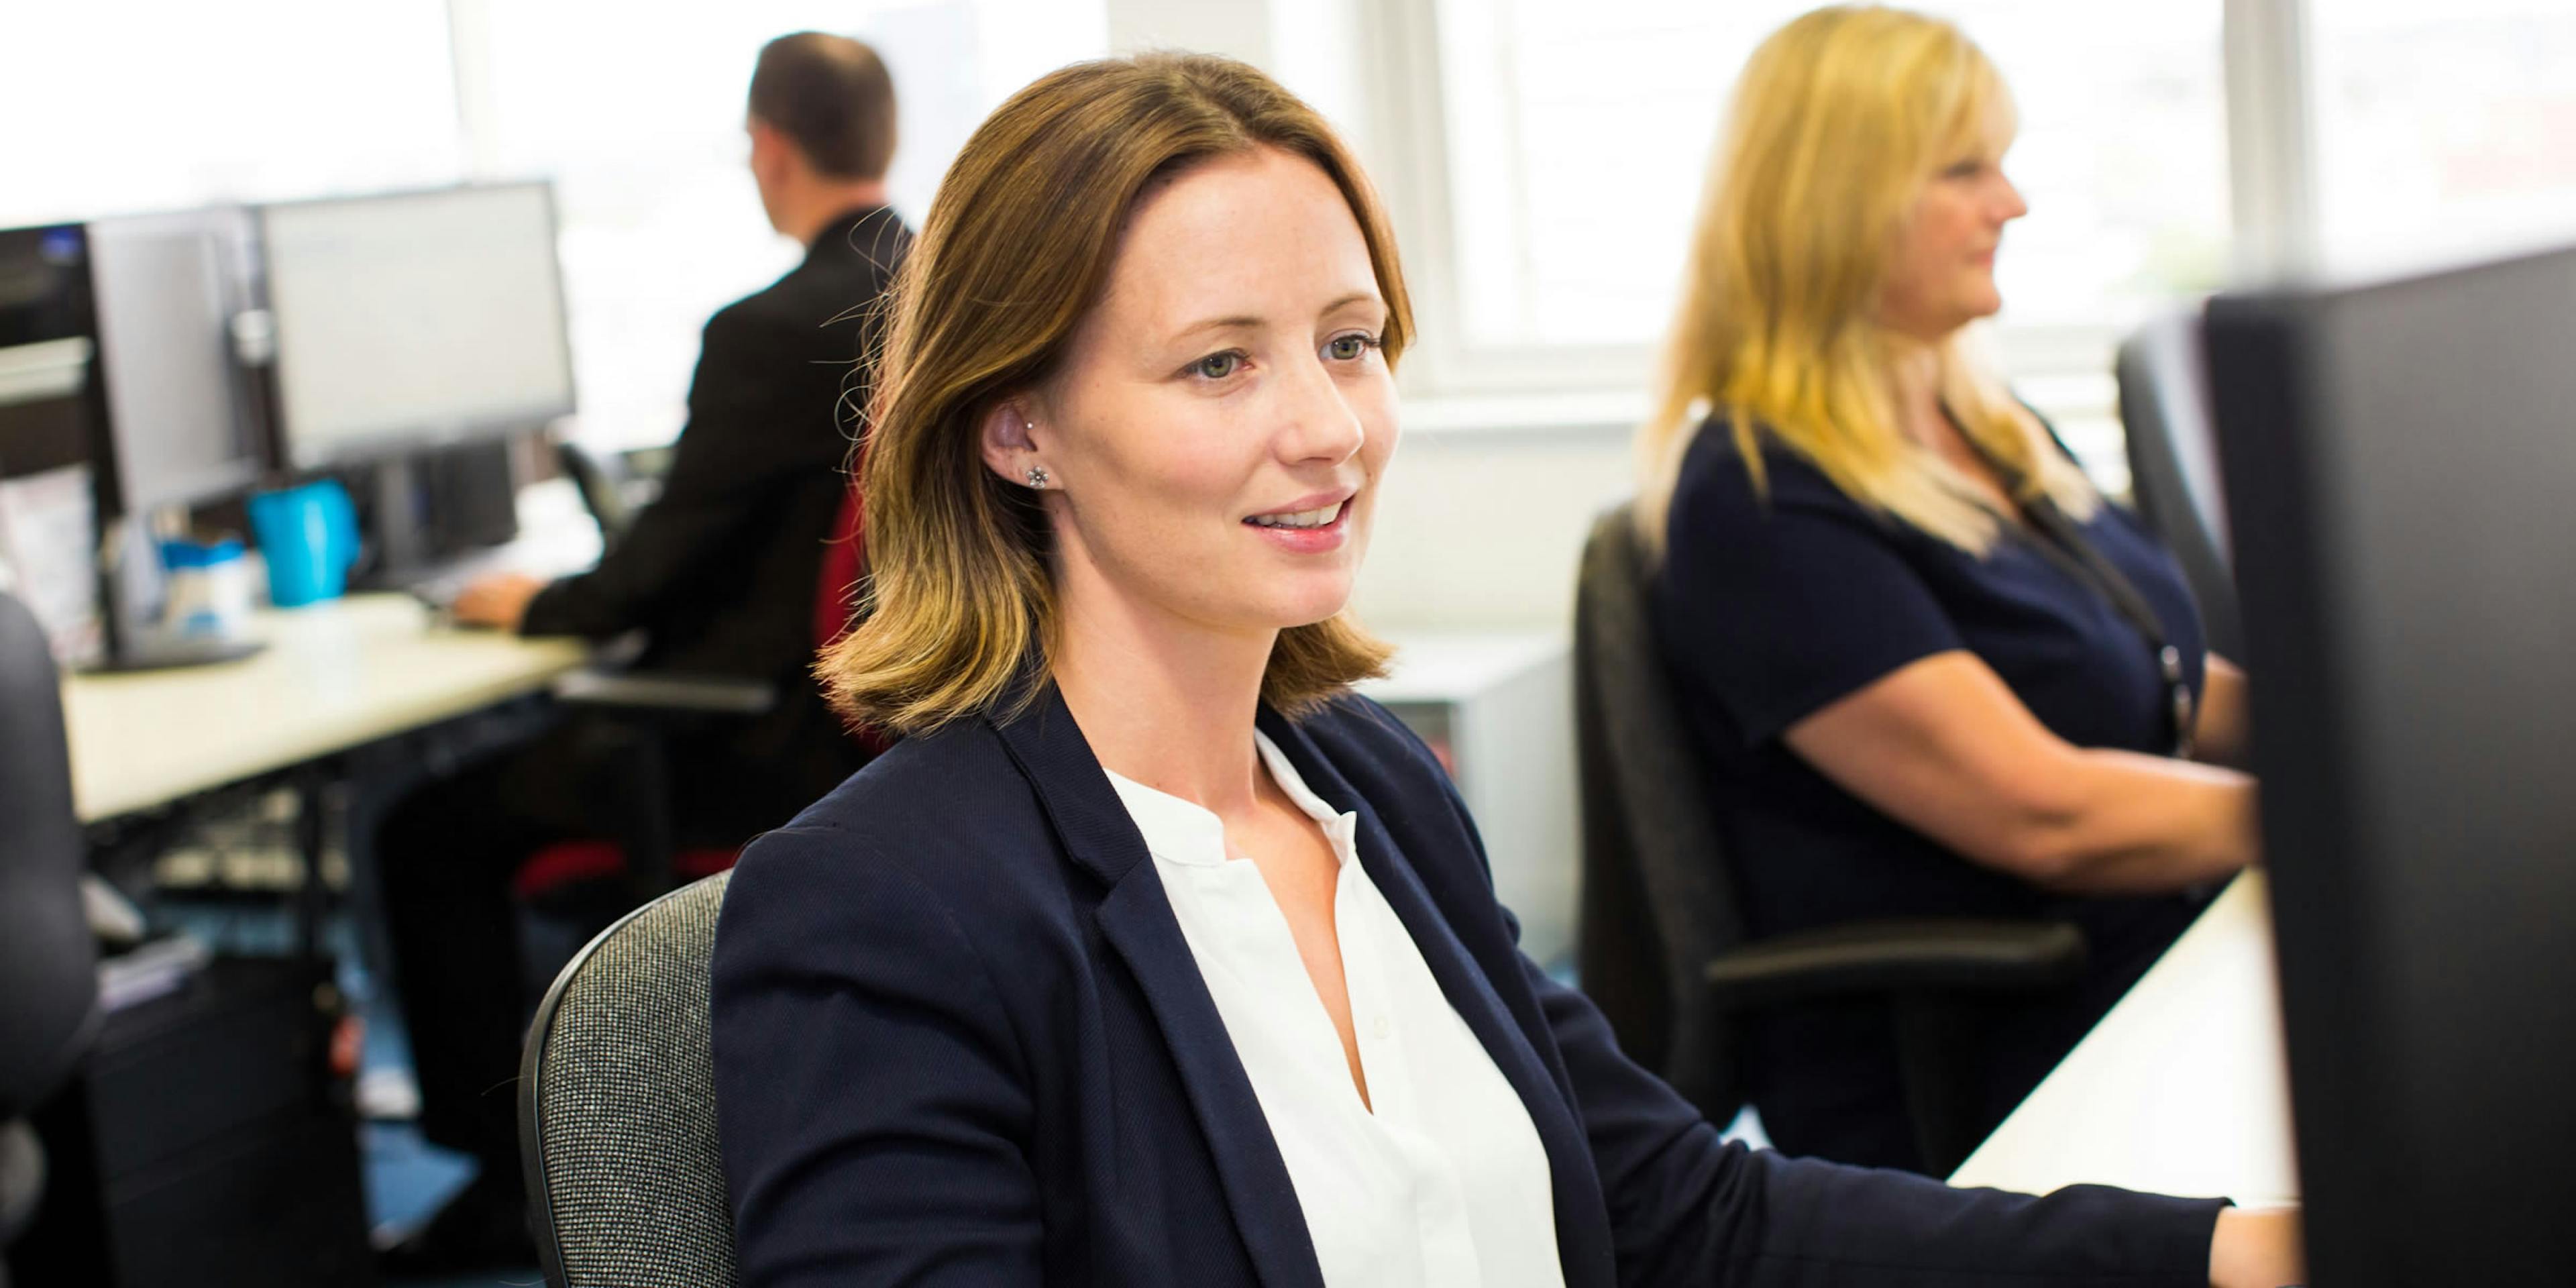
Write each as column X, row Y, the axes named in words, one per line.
column 334, row 676
column 2182, row 1088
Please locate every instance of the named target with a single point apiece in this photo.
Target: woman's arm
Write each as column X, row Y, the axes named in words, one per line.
column 2223, row 733
column 1687, row 1208
column 871, row 1097
column 1944, row 746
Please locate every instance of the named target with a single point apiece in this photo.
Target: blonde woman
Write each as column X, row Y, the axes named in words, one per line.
column 1932, row 671
column 1152, row 956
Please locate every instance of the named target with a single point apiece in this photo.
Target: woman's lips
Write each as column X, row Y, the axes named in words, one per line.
column 1320, row 539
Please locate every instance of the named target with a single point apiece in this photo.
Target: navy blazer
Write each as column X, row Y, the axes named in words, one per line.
column 960, row 1040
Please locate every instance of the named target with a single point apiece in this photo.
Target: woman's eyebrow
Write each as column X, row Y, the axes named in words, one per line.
column 1248, row 322
column 1238, row 322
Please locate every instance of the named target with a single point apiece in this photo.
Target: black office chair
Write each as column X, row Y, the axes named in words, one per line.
column 48, row 961
column 1662, row 946
column 617, row 1107
column 602, row 483
column 2173, row 465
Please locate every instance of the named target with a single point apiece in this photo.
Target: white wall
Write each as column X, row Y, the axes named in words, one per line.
column 1478, row 530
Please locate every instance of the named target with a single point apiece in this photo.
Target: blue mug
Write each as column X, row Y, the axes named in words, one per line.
column 309, row 535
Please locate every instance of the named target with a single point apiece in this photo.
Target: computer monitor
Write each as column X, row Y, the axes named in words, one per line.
column 2400, row 467
column 45, row 350
column 414, row 320
column 179, row 424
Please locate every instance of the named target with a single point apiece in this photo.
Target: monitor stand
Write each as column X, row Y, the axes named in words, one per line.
column 431, row 512
column 163, row 654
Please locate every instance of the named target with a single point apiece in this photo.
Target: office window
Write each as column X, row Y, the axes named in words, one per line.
column 127, row 106
column 640, row 124
column 2444, row 129
column 1577, row 141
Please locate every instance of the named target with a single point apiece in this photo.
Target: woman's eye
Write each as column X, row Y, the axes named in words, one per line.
column 1217, row 366
column 1348, row 348
column 1967, row 169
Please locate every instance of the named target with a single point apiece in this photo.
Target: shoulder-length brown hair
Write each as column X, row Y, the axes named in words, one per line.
column 1015, row 252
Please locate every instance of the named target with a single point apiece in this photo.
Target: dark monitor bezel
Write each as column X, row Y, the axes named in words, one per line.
column 77, row 445
column 2411, row 858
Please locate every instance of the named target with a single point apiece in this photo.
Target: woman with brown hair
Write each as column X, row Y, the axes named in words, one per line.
column 1153, row 956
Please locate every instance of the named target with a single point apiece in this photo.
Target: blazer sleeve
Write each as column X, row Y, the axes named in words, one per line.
column 1687, row 1207
column 753, row 429
column 871, row 1092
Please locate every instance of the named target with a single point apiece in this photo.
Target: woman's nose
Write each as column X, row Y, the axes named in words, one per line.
column 1317, row 423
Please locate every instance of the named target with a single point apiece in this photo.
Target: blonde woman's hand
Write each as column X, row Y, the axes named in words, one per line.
column 2258, row 1248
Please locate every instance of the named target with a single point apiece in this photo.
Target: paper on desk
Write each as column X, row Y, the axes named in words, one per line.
column 45, row 529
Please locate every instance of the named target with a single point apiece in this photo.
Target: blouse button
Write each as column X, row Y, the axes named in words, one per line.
column 1380, row 1027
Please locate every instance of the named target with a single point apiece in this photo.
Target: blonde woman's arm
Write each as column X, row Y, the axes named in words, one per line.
column 1943, row 746
column 2224, row 732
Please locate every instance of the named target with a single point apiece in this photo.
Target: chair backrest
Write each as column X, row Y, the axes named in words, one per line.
column 1658, row 902
column 48, row 960
column 601, row 493
column 845, row 559
column 617, row 1106
column 2173, row 465
column 845, row 562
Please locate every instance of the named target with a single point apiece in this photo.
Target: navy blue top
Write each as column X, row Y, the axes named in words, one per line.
column 1771, row 607
column 959, row 1039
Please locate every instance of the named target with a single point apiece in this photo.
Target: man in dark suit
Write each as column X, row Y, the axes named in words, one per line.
column 720, row 573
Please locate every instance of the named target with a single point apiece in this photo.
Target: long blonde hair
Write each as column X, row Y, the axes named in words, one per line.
column 1839, row 120
column 1016, row 250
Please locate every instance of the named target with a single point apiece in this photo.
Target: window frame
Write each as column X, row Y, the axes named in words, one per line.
column 2272, row 225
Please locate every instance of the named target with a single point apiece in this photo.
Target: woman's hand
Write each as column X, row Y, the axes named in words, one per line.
column 2257, row 1249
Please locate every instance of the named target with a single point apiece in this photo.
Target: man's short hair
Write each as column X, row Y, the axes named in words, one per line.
column 832, row 97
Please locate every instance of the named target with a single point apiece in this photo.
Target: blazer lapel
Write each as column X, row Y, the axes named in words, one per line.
column 1582, row 1232
column 1136, row 919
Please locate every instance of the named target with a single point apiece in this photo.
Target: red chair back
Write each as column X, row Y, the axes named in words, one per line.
column 845, row 560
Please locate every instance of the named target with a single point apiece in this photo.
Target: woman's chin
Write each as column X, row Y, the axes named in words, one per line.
column 1317, row 604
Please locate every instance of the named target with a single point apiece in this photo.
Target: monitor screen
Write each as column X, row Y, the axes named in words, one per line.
column 414, row 320
column 179, row 420
column 45, row 350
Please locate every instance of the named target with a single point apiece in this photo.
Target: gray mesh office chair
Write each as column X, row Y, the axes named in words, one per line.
column 2173, row 465
column 1662, row 947
column 48, row 961
column 617, row 1107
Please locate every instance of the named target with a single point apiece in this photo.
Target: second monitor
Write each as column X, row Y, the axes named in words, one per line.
column 414, row 320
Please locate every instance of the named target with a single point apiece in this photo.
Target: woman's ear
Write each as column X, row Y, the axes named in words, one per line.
column 1005, row 440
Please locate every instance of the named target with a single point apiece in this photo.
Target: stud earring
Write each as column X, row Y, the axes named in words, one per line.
column 1037, row 476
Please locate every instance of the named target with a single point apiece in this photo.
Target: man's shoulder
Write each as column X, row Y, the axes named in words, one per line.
column 820, row 300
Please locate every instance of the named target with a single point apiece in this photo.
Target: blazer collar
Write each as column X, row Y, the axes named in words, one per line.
column 1135, row 918
column 867, row 232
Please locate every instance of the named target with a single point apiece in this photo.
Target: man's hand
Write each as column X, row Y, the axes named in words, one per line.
column 499, row 600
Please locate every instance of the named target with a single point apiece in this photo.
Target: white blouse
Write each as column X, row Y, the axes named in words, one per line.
column 1445, row 1184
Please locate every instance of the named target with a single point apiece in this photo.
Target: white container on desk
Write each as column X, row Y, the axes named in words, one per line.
column 1499, row 708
